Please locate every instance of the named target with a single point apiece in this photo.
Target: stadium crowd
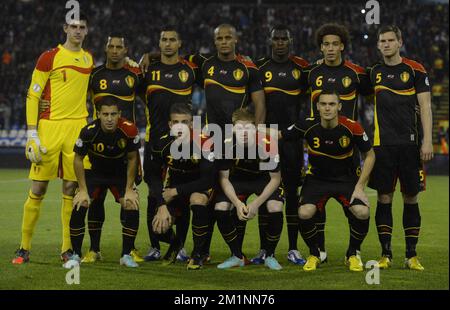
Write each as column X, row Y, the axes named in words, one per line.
column 30, row 26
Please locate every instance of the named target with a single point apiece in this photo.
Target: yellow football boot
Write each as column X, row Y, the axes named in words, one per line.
column 354, row 263
column 385, row 262
column 91, row 257
column 136, row 257
column 312, row 262
column 195, row 263
column 414, row 264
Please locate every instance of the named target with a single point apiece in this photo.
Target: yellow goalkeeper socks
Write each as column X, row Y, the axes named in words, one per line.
column 31, row 211
column 66, row 212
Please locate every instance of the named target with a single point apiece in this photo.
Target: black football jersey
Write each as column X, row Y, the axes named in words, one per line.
column 283, row 87
column 348, row 79
column 108, row 151
column 396, row 87
column 251, row 165
column 163, row 86
column 330, row 151
column 227, row 84
column 121, row 84
column 194, row 173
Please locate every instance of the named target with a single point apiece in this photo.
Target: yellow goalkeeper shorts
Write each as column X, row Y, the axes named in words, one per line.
column 58, row 137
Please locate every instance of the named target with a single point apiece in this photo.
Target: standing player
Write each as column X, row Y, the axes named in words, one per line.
column 168, row 80
column 281, row 76
column 61, row 76
column 230, row 81
column 241, row 176
column 118, row 79
column 188, row 184
column 331, row 140
column 348, row 79
column 112, row 144
column 400, row 85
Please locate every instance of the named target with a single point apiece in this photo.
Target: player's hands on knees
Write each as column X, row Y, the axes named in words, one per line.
column 81, row 199
column 169, row 194
column 358, row 193
column 252, row 211
column 162, row 220
column 242, row 211
column 426, row 151
column 131, row 199
column 33, row 147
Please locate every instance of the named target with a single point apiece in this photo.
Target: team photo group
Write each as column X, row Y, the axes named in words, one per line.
column 279, row 137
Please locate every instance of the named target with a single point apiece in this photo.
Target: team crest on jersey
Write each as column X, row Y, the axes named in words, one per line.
column 122, row 143
column 130, row 81
column 404, row 77
column 346, row 81
column 238, row 74
column 183, row 75
column 344, row 141
column 296, row 74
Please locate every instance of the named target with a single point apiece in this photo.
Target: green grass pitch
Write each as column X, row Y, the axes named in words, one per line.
column 45, row 271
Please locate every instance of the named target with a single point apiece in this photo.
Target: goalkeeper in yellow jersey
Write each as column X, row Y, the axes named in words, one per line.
column 61, row 76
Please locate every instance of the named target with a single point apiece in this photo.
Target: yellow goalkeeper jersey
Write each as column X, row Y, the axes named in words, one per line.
column 62, row 77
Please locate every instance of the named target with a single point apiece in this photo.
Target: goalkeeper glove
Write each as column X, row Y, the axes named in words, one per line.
column 33, row 147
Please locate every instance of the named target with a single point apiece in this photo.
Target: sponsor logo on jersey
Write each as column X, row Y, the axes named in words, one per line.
column 36, row 87
column 365, row 137
column 211, row 156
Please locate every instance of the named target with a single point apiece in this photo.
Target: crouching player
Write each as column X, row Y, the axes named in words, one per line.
column 186, row 160
column 112, row 144
column 331, row 174
column 242, row 175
